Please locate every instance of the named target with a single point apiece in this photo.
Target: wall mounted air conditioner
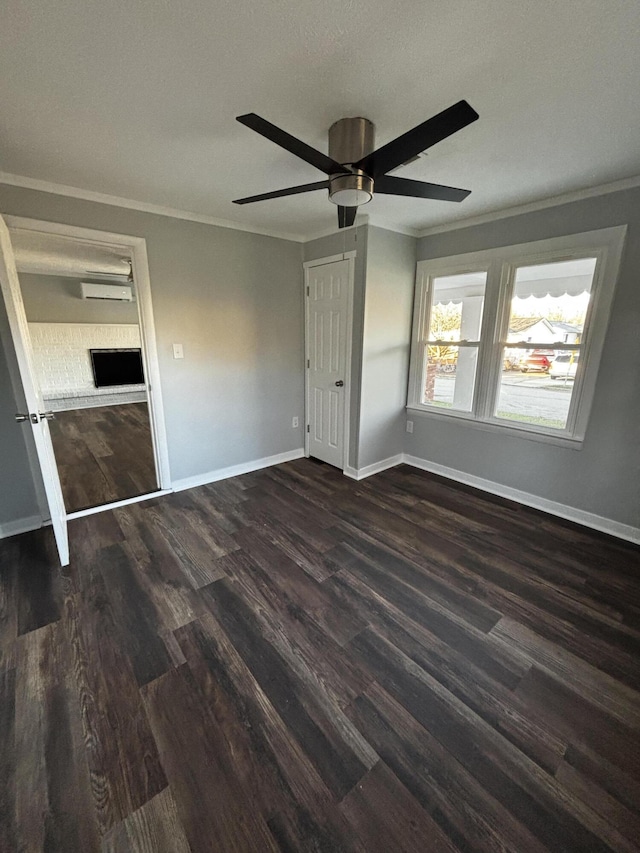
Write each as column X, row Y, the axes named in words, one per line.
column 120, row 292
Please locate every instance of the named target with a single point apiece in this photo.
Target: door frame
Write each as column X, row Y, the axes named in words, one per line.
column 307, row 265
column 137, row 248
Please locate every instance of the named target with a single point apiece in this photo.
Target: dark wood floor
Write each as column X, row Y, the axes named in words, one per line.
column 293, row 661
column 104, row 454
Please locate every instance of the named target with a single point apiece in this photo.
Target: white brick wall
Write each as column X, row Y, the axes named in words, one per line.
column 63, row 361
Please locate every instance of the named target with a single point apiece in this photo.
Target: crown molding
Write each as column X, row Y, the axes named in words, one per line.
column 142, row 206
column 328, row 232
column 532, row 207
column 397, row 229
column 364, row 219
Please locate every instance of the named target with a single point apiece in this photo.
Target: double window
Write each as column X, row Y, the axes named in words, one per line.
column 512, row 337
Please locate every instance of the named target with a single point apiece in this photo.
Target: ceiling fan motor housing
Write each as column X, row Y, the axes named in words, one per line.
column 351, row 139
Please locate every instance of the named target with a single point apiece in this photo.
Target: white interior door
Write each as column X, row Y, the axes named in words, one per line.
column 33, row 417
column 327, row 310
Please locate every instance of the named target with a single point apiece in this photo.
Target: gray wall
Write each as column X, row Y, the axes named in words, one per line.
column 56, row 299
column 234, row 300
column 349, row 240
column 391, row 264
column 604, row 476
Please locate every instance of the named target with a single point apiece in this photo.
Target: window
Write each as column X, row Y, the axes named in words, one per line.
column 511, row 337
column 451, row 350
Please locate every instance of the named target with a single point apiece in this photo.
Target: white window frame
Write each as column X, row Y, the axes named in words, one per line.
column 500, row 265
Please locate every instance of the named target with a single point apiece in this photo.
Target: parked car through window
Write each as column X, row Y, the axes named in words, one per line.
column 564, row 366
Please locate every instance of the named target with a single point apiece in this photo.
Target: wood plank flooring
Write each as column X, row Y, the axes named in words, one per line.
column 104, row 454
column 293, row 661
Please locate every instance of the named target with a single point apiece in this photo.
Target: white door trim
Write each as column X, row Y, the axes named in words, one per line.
column 138, row 248
column 320, row 262
column 307, row 265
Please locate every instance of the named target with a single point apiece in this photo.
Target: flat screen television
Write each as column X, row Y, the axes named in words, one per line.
column 116, row 367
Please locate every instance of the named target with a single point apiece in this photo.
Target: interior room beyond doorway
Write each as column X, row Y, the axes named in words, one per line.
column 87, row 349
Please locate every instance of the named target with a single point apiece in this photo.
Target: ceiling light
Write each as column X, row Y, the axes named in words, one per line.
column 351, row 190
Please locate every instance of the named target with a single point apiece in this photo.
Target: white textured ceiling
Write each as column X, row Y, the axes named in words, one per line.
column 137, row 98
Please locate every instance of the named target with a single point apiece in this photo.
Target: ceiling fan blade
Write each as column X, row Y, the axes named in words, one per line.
column 390, row 185
column 302, row 188
column 290, row 143
column 411, row 143
column 346, row 216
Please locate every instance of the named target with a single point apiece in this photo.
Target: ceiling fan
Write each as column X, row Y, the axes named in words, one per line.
column 355, row 170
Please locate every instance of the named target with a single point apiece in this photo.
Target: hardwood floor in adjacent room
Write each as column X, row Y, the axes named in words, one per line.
column 104, row 454
column 293, row 661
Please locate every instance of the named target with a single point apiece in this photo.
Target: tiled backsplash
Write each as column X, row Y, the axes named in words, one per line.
column 63, row 361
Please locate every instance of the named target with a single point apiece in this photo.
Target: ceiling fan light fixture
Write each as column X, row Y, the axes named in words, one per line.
column 351, row 190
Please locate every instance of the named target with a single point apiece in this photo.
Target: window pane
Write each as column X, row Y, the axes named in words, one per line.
column 550, row 302
column 450, row 377
column 541, row 393
column 456, row 307
column 549, row 306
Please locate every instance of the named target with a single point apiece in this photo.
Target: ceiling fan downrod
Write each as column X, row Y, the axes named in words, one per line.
column 351, row 139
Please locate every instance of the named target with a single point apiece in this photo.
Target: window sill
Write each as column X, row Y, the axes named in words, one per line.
column 572, row 442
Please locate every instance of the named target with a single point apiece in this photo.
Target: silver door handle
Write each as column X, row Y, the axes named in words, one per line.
column 47, row 416
column 20, row 419
column 339, row 383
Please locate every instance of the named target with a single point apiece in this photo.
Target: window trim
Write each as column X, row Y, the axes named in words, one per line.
column 501, row 264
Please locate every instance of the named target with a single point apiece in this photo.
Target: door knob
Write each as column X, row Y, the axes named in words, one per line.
column 47, row 416
column 339, row 383
column 20, row 418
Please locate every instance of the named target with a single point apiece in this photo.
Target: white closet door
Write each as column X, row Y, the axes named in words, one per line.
column 327, row 348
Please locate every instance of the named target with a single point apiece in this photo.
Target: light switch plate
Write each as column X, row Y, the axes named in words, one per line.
column 178, row 352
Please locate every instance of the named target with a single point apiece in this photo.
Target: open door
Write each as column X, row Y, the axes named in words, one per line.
column 34, row 418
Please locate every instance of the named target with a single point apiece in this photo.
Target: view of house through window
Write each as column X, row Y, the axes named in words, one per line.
column 541, row 347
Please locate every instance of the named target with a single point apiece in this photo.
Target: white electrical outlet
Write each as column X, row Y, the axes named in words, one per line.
column 409, row 426
column 295, row 422
column 178, row 352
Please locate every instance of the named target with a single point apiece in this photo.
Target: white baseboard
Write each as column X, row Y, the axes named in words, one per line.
column 20, row 525
column 236, row 470
column 579, row 516
column 92, row 510
column 375, row 468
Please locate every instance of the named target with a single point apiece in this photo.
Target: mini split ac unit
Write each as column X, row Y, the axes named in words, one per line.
column 120, row 292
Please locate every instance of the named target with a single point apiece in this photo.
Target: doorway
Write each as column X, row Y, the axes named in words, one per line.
column 85, row 300
column 328, row 322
